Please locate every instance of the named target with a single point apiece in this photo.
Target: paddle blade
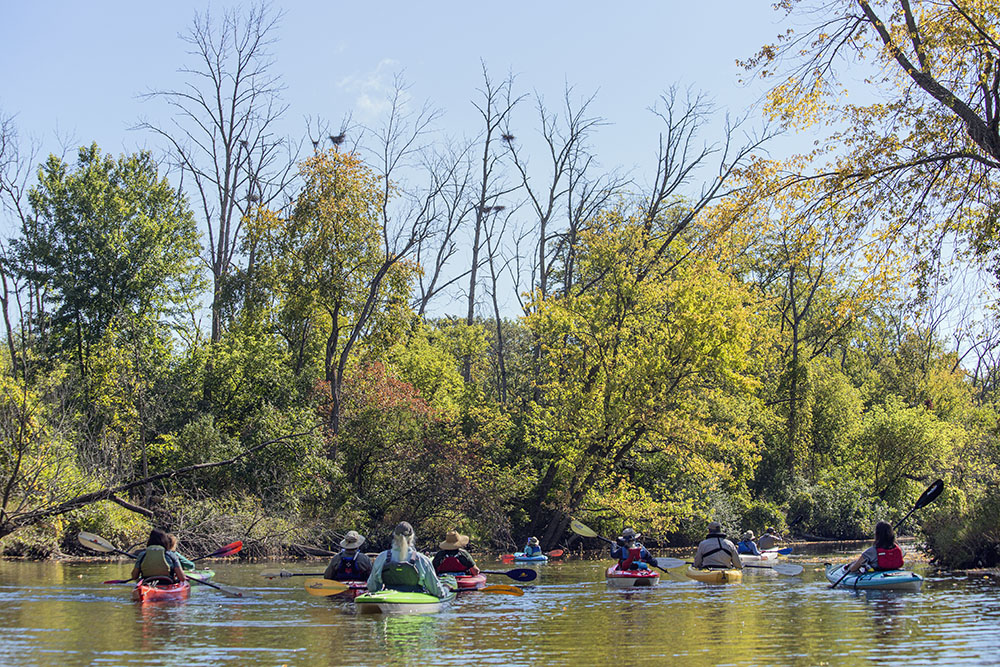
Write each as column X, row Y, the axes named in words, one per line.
column 522, row 574
column 502, row 589
column 507, row 558
column 580, row 529
column 787, row 569
column 119, row 581
column 667, row 563
column 231, row 591
column 228, row 550
column 928, row 496
column 95, row 542
column 784, row 552
column 324, row 587
column 556, row 553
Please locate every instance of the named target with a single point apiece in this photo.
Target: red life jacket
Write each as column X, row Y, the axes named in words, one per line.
column 634, row 556
column 889, row 559
column 451, row 563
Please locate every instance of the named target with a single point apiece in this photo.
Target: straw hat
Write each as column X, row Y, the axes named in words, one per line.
column 533, row 540
column 352, row 540
column 747, row 536
column 453, row 540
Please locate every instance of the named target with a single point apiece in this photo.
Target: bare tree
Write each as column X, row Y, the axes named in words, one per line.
column 494, row 107
column 223, row 132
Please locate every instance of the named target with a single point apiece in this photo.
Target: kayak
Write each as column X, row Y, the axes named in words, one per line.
column 157, row 591
column 765, row 559
column 519, row 557
column 630, row 578
column 354, row 589
column 888, row 580
column 470, row 582
column 715, row 576
column 389, row 601
column 200, row 575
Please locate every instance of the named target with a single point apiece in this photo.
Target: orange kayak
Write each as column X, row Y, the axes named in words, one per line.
column 157, row 590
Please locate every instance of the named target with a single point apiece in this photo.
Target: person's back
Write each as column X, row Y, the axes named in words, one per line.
column 351, row 564
column 452, row 558
column 404, row 568
column 885, row 554
column 746, row 545
column 156, row 560
column 532, row 548
column 769, row 539
column 630, row 553
column 717, row 552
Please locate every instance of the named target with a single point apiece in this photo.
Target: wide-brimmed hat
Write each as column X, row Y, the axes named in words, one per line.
column 714, row 528
column 454, row 540
column 747, row 535
column 352, row 540
column 532, row 540
column 629, row 534
column 770, row 529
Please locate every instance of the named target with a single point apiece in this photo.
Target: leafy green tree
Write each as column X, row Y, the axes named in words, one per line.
column 108, row 239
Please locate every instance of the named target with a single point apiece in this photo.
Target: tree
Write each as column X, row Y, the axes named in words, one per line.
column 338, row 280
column 110, row 239
column 918, row 166
column 223, row 134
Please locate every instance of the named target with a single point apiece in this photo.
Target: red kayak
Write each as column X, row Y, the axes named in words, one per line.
column 631, row 578
column 470, row 582
column 354, row 589
column 157, row 590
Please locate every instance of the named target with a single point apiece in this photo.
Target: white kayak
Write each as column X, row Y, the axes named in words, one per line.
column 886, row 580
column 765, row 559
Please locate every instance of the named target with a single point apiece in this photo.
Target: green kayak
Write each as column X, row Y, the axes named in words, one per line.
column 399, row 602
column 200, row 575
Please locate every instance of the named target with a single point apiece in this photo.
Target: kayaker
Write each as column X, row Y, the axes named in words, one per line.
column 746, row 544
column 156, row 560
column 885, row 554
column 769, row 539
column 403, row 568
column 453, row 558
column 186, row 564
column 532, row 548
column 716, row 552
column 350, row 564
column 630, row 553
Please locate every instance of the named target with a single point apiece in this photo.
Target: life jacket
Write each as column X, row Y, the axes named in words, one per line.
column 889, row 559
column 401, row 576
column 451, row 563
column 347, row 569
column 153, row 563
column 634, row 556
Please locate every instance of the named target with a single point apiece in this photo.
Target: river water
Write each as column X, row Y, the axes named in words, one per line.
column 54, row 614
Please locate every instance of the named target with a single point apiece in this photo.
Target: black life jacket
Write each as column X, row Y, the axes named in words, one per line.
column 347, row 569
column 400, row 576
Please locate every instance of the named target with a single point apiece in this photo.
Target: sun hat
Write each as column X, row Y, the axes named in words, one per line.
column 532, row 540
column 454, row 540
column 352, row 540
column 715, row 528
column 747, row 536
column 630, row 534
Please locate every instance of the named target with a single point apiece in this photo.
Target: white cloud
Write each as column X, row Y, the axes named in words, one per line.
column 372, row 90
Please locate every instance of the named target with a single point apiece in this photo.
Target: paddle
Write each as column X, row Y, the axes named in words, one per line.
column 230, row 549
column 781, row 568
column 517, row 574
column 925, row 499
column 231, row 591
column 585, row 531
column 98, row 543
column 324, row 587
column 555, row 553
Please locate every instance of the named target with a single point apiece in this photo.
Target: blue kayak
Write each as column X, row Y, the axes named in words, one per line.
column 521, row 558
column 886, row 580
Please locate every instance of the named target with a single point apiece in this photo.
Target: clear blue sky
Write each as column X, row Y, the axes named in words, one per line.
column 77, row 68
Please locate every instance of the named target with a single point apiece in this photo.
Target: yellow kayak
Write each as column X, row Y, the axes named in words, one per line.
column 715, row 576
